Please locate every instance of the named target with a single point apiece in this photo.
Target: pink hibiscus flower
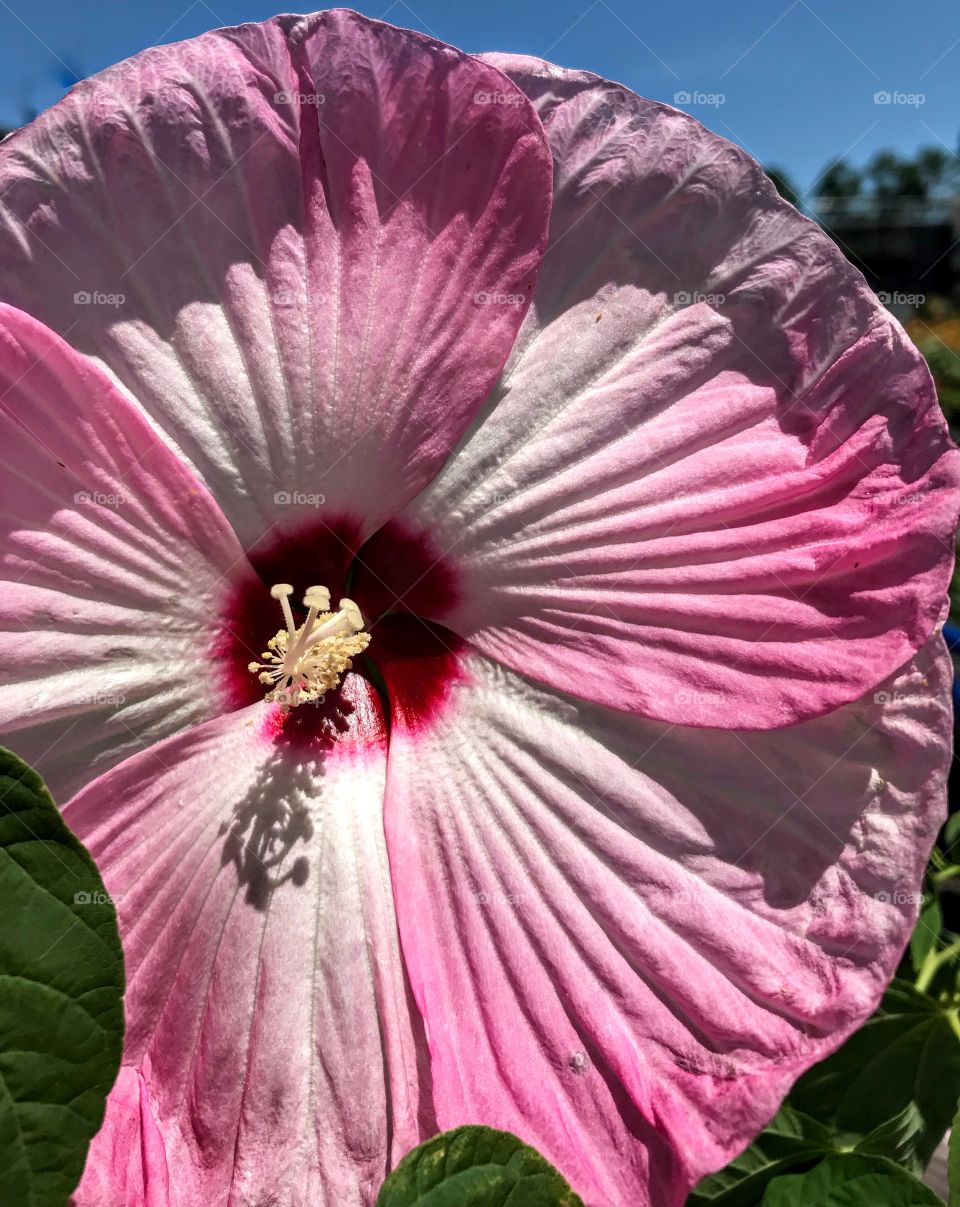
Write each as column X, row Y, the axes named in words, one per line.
column 644, row 510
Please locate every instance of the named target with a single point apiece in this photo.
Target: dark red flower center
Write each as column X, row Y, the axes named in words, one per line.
column 404, row 588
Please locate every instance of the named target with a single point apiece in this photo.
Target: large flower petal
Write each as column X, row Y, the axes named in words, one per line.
column 628, row 938
column 271, row 1050
column 714, row 485
column 275, row 237
column 113, row 561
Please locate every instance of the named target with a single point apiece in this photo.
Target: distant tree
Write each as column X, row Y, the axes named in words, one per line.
column 891, row 186
column 838, row 179
column 784, row 185
column 940, row 171
column 891, row 176
column 934, row 164
column 882, row 174
column 836, row 187
column 912, row 181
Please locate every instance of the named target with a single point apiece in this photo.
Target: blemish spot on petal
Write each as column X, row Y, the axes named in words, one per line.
column 578, row 1062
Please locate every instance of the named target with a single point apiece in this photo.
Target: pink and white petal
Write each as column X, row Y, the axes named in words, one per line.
column 711, row 443
column 127, row 1167
column 267, row 1013
column 628, row 938
column 274, row 236
column 113, row 562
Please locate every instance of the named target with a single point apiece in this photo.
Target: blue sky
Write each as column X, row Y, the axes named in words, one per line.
column 793, row 81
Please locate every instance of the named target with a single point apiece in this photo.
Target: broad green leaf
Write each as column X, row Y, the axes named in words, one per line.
column 951, row 831
column 790, row 1142
column 893, row 1086
column 926, row 933
column 953, row 1163
column 61, row 995
column 850, row 1180
column 475, row 1167
column 896, row 1138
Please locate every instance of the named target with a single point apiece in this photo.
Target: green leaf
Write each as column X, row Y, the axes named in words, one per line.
column 953, row 1163
column 926, row 934
column 896, row 1138
column 790, row 1142
column 893, row 1086
column 951, row 830
column 61, row 990
column 851, row 1180
column 475, row 1167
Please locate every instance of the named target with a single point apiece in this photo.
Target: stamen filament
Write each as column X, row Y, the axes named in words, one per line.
column 283, row 591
